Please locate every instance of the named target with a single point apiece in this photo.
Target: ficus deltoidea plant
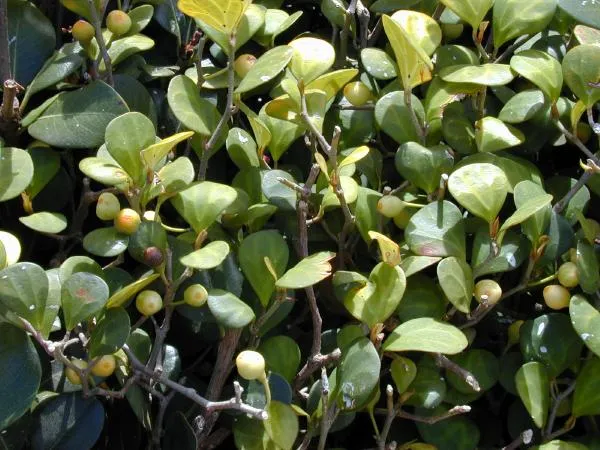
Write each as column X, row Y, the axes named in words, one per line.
column 306, row 224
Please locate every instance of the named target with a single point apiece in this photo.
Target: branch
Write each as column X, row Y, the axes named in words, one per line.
column 562, row 204
column 4, row 48
column 349, row 13
column 555, row 405
column 389, row 418
column 444, row 362
column 524, row 438
column 575, row 140
column 100, row 40
column 457, row 410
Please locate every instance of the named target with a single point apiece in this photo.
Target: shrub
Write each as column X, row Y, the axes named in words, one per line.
column 365, row 208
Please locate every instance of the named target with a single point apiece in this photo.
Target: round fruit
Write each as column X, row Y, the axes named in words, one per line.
column 556, row 296
column 514, row 330
column 357, row 93
column 250, row 365
column 153, row 256
column 567, row 275
column 401, row 220
column 148, row 302
column 390, row 205
column 452, row 31
column 83, row 31
column 243, row 64
column 70, row 373
column 487, row 291
column 584, row 132
column 105, row 366
column 118, row 22
column 127, row 221
column 108, row 206
column 195, row 295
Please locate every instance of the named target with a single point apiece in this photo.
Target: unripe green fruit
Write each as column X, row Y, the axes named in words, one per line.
column 556, row 296
column 118, row 22
column 243, row 64
column 357, row 93
column 70, row 373
column 83, row 31
column 105, row 366
column 153, row 256
column 401, row 219
column 514, row 331
column 390, row 206
column 108, row 206
column 195, row 295
column 452, row 30
column 250, row 365
column 148, row 302
column 487, row 291
column 567, row 275
column 127, row 221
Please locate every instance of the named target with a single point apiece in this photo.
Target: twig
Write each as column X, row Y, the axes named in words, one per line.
column 199, row 51
column 590, row 116
column 444, row 362
column 9, row 98
column 575, row 140
column 389, row 418
column 413, row 114
column 457, row 410
column 556, row 404
column 160, row 417
column 562, row 204
column 100, row 40
column 325, row 410
column 226, row 114
column 524, row 438
column 349, row 14
column 364, row 16
column 482, row 53
column 511, row 48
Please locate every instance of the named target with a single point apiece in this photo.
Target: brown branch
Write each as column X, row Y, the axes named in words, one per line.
column 444, row 362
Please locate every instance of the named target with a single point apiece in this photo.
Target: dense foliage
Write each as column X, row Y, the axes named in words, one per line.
column 300, row 224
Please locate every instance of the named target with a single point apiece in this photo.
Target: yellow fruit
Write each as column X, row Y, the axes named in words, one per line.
column 556, row 296
column 70, row 373
column 452, row 31
column 148, row 302
column 390, row 205
column 487, row 291
column 567, row 275
column 83, row 31
column 243, row 64
column 105, row 366
column 250, row 365
column 118, row 22
column 108, row 206
column 514, row 330
column 401, row 219
column 127, row 221
column 357, row 93
column 195, row 295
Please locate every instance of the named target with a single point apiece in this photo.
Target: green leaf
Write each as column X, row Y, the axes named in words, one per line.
column 68, row 421
column 20, row 376
column 282, row 356
column 253, row 253
column 45, row 222
column 493, row 135
column 586, row 321
column 513, row 18
column 242, row 148
column 230, row 311
column 426, row 335
column 581, row 66
column 309, row 271
column 523, row 106
column 423, row 166
column 422, row 30
column 357, row 375
column 223, row 15
column 533, row 386
column 376, row 300
column 31, row 40
column 16, row 172
column 106, row 242
column 83, row 295
column 437, row 230
column 403, row 372
column 586, row 13
column 527, row 209
column 207, row 257
column 110, row 333
column 428, row 386
column 267, row 67
column 541, row 69
column 414, row 264
column 24, row 290
column 537, row 224
column 514, row 251
column 378, row 63
column 482, row 364
column 282, row 425
column 480, row 188
column 365, row 211
column 455, row 433
column 155, row 153
column 202, row 203
column 484, row 75
column 126, row 136
column 194, row 112
column 551, row 340
column 124, row 47
column 78, row 119
column 471, row 11
column 105, row 172
column 120, row 297
column 74, row 264
column 456, row 280
column 586, row 399
column 311, row 58
column 47, row 165
column 394, row 118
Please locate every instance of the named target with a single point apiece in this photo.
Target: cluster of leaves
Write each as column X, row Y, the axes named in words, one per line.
column 390, row 206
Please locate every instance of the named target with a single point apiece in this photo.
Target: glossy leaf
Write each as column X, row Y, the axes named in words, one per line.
column 513, row 18
column 523, row 106
column 541, row 69
column 533, row 386
column 83, row 295
column 421, row 29
column 403, row 372
column 106, row 242
column 24, row 290
column 471, row 11
column 110, row 333
column 393, row 116
column 493, row 135
column 586, row 399
column 423, row 166
column 456, row 280
column 581, row 66
column 310, row 270
column 153, row 154
column 45, row 222
column 311, row 58
column 222, row 15
column 207, row 257
column 120, row 297
column 485, row 74
column 527, row 209
column 242, row 149
column 378, row 64
column 482, row 364
column 426, row 335
column 282, row 425
column 267, row 67
column 16, row 172
column 230, row 311
column 586, row 322
column 584, row 12
column 282, row 355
